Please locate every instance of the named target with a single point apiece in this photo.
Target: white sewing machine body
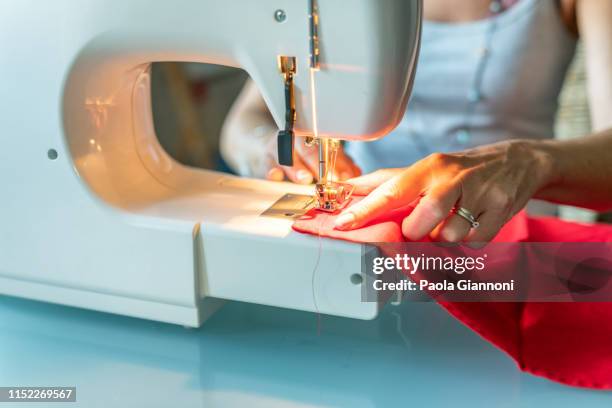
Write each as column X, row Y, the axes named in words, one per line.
column 96, row 214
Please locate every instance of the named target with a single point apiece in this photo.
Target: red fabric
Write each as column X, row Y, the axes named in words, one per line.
column 566, row 342
column 389, row 227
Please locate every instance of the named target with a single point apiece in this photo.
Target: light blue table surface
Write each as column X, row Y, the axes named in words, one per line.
column 254, row 356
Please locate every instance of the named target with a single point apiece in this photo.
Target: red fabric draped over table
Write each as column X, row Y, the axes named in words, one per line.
column 566, row 342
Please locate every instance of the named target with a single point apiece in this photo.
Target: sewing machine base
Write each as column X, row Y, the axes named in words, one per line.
column 144, row 309
column 177, row 259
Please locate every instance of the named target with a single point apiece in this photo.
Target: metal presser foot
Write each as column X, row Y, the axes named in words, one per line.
column 330, row 196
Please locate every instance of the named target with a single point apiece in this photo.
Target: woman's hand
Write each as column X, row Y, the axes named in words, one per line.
column 492, row 182
column 255, row 156
column 305, row 167
column 248, row 145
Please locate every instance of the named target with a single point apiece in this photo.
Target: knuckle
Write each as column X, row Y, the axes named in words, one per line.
column 438, row 158
column 441, row 159
column 390, row 194
column 407, row 230
column 471, row 175
column 450, row 235
column 433, row 208
column 450, row 165
column 499, row 200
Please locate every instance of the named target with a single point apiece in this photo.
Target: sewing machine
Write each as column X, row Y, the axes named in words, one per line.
column 96, row 214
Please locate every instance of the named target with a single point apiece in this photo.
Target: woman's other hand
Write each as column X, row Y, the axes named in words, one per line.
column 248, row 145
column 305, row 168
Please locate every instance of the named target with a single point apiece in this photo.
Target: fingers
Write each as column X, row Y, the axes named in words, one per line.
column 309, row 156
column 275, row 173
column 490, row 224
column 345, row 167
column 394, row 193
column 452, row 229
column 306, row 166
column 431, row 210
column 299, row 173
column 368, row 182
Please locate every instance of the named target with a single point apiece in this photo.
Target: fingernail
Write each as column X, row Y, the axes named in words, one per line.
column 304, row 176
column 344, row 221
column 275, row 174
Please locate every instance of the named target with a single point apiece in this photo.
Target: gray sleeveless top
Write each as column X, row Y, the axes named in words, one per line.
column 477, row 83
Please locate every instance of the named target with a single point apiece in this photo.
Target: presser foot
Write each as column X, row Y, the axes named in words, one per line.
column 332, row 196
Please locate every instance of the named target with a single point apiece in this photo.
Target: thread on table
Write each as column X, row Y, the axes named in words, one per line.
column 314, row 275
